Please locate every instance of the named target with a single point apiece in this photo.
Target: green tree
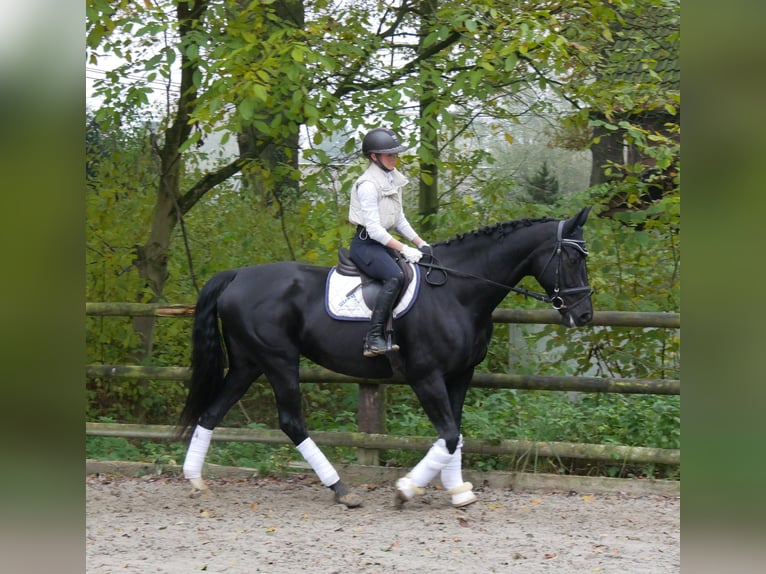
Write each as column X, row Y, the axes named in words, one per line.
column 542, row 187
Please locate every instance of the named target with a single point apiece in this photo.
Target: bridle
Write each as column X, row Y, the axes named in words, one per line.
column 556, row 301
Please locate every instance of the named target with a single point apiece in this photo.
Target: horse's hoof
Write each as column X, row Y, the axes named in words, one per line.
column 198, row 488
column 399, row 500
column 462, row 495
column 350, row 499
column 406, row 491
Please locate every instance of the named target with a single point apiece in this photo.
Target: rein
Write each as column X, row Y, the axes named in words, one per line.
column 521, row 290
column 557, row 302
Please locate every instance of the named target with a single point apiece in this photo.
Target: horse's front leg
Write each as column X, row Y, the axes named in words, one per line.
column 452, row 474
column 438, row 460
column 461, row 493
column 435, row 401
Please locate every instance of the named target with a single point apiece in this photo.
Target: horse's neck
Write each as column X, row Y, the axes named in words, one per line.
column 498, row 261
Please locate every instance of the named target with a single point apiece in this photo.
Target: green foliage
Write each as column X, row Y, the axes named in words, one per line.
column 589, row 418
column 475, row 68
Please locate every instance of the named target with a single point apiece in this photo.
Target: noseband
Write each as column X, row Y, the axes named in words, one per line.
column 556, row 301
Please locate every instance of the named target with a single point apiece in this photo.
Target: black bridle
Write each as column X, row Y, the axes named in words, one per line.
column 556, row 301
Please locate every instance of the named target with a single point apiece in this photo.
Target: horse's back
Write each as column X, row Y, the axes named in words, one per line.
column 271, row 290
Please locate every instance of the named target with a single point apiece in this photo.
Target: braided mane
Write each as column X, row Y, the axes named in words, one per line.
column 502, row 229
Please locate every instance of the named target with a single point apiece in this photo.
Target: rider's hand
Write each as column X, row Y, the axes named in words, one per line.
column 411, row 254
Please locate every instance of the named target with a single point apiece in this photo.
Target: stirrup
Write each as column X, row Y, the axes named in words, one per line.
column 374, row 351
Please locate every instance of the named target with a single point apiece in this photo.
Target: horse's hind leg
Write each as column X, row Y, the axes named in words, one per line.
column 236, row 383
column 288, row 398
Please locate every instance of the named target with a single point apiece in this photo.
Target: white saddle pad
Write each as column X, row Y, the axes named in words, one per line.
column 343, row 297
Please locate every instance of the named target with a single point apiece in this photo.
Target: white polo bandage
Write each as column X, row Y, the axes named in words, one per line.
column 318, row 461
column 195, row 455
column 435, row 460
column 452, row 473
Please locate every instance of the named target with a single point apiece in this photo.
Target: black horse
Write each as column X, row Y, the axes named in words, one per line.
column 272, row 314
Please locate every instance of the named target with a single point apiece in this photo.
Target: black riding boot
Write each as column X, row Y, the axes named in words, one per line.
column 375, row 343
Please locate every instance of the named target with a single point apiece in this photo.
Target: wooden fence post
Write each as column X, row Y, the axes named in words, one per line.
column 371, row 418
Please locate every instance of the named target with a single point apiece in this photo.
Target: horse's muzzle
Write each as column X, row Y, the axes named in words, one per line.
column 578, row 315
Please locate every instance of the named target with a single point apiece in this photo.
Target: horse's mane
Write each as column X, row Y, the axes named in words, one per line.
column 501, row 229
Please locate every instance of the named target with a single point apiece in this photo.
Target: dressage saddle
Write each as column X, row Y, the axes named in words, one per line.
column 371, row 286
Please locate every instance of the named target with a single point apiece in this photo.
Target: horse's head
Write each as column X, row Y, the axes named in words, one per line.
column 563, row 274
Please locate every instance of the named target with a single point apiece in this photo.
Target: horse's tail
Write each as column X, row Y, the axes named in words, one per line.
column 208, row 360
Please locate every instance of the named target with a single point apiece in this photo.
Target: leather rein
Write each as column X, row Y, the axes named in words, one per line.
column 556, row 301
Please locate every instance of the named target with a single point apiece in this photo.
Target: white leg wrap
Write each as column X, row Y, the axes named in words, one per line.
column 452, row 479
column 452, row 474
column 318, row 461
column 435, row 460
column 407, row 490
column 195, row 456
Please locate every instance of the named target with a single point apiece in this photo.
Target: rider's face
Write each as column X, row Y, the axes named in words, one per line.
column 388, row 159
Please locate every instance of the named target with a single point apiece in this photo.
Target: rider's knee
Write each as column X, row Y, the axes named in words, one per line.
column 396, row 279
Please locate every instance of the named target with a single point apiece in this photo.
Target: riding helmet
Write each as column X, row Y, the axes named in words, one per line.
column 381, row 140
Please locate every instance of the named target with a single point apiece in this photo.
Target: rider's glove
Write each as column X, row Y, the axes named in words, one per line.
column 411, row 254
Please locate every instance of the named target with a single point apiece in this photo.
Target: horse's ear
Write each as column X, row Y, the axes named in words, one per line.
column 582, row 217
column 577, row 221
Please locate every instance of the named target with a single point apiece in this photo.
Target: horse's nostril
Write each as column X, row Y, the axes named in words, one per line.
column 586, row 317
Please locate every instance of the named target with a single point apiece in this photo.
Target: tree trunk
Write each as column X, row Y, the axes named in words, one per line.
column 152, row 258
column 428, row 187
column 270, row 177
column 609, row 149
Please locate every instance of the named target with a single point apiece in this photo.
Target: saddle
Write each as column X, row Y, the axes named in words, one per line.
column 370, row 285
column 351, row 294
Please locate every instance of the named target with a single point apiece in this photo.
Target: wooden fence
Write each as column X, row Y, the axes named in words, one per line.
column 371, row 411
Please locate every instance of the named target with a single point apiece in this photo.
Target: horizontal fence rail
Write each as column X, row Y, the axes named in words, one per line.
column 625, row 454
column 369, row 442
column 482, row 380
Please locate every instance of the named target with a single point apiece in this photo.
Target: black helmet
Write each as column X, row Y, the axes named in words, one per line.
column 381, row 140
